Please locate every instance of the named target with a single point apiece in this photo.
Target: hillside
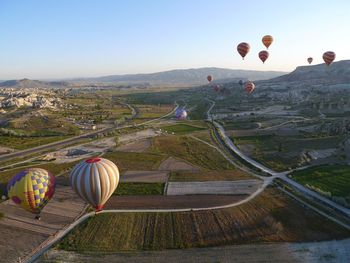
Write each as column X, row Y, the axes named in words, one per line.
column 336, row 73
column 28, row 83
column 180, row 77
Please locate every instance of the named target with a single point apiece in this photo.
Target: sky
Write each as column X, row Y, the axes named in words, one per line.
column 57, row 39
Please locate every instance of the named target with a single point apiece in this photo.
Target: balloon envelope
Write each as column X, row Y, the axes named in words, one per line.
column 249, row 87
column 310, row 59
column 240, row 82
column 263, row 55
column 243, row 49
column 328, row 57
column 95, row 180
column 216, row 88
column 267, row 40
column 180, row 113
column 32, row 189
column 209, row 78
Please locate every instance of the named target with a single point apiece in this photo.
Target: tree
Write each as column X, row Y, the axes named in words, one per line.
column 116, row 139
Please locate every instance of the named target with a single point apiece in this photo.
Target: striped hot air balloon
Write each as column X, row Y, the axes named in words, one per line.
column 32, row 189
column 328, row 57
column 249, row 87
column 243, row 49
column 309, row 60
column 95, row 180
column 267, row 41
column 263, row 55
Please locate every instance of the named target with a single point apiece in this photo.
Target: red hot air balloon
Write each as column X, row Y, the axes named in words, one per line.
column 267, row 41
column 263, row 55
column 310, row 59
column 243, row 49
column 209, row 78
column 249, row 87
column 328, row 57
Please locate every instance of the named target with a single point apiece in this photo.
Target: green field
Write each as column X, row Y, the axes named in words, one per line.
column 191, row 150
column 140, row 189
column 334, row 179
column 271, row 217
column 135, row 161
column 22, row 143
column 182, row 128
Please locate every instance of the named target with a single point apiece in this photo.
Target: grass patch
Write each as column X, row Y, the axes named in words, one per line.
column 182, row 128
column 191, row 150
column 135, row 161
column 140, row 189
column 270, row 217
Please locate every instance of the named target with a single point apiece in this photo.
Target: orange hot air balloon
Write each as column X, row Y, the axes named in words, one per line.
column 209, row 78
column 328, row 57
column 263, row 55
column 249, row 87
column 267, row 41
column 243, row 49
column 310, row 59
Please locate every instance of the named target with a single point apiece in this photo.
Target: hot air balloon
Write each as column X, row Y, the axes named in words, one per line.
column 216, row 88
column 328, row 57
column 267, row 41
column 209, row 78
column 32, row 189
column 263, row 55
column 241, row 82
column 243, row 49
column 180, row 113
column 310, row 59
column 249, row 87
column 95, row 180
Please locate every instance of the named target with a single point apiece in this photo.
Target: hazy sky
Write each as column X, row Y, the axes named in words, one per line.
column 74, row 38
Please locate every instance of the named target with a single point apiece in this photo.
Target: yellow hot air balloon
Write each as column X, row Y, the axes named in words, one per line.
column 95, row 180
column 32, row 189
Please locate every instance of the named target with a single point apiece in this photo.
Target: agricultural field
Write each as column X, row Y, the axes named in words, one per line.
column 191, row 150
column 135, row 161
column 182, row 128
column 202, row 176
column 22, row 143
column 140, row 189
column 146, row 112
column 273, row 217
column 331, row 180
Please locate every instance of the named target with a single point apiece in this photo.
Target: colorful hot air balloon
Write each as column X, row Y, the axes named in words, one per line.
column 95, row 180
column 32, row 189
column 243, row 49
column 267, row 41
column 209, row 78
column 249, row 87
column 310, row 59
column 180, row 113
column 263, row 55
column 328, row 57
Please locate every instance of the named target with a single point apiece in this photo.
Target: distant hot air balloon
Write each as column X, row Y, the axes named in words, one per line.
column 328, row 57
column 95, row 180
column 243, row 49
column 32, row 189
column 249, row 87
column 241, row 82
column 267, row 41
column 310, row 59
column 209, row 78
column 216, row 88
column 263, row 55
column 180, row 113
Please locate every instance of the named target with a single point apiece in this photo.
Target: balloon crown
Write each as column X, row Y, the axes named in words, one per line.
column 93, row 160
